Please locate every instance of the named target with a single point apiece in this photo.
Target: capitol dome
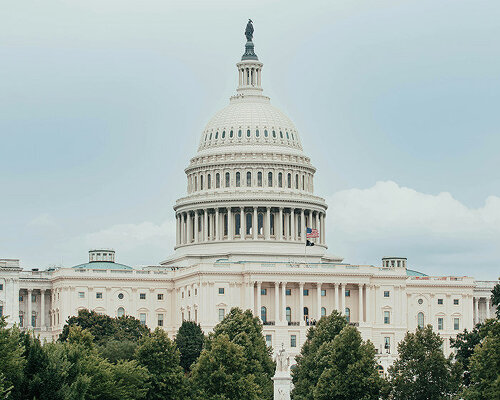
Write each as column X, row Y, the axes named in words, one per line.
column 250, row 192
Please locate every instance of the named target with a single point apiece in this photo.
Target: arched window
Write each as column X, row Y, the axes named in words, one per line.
column 223, row 134
column 120, row 312
column 265, row 133
column 217, row 180
column 248, row 224
column 239, row 133
column 231, row 133
column 201, row 182
column 281, row 134
column 195, row 183
column 289, row 181
column 280, row 179
column 348, row 314
column 260, row 223
column 248, row 132
column 288, row 314
column 209, row 181
column 263, row 314
column 217, row 135
column 303, row 183
column 420, row 319
column 228, row 179
column 237, row 223
column 306, row 311
column 210, row 137
column 271, row 224
column 274, row 134
column 238, row 179
column 256, row 133
column 249, row 179
column 296, row 181
column 259, row 179
column 323, row 311
column 288, row 137
column 225, row 225
column 270, row 179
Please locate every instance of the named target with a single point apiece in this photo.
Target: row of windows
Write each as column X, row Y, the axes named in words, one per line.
column 142, row 296
column 280, row 180
column 288, row 292
column 120, row 312
column 263, row 313
column 440, row 302
column 440, row 322
column 189, row 293
column 257, row 133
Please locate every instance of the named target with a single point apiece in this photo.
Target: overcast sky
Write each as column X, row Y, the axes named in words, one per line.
column 102, row 104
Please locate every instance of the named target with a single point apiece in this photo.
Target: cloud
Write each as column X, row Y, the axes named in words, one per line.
column 43, row 221
column 436, row 232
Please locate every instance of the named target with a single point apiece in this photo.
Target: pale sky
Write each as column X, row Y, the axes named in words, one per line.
column 102, row 104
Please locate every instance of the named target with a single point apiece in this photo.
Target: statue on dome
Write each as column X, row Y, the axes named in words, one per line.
column 249, row 31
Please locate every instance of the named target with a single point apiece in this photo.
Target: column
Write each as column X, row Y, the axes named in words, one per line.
column 188, row 228
column 276, row 303
column 488, row 314
column 268, row 223
column 292, row 224
column 217, row 223
column 317, row 223
column 230, row 227
column 318, row 301
column 279, row 234
column 259, row 304
column 283, row 302
column 243, row 223
column 337, row 297
column 42, row 308
column 30, row 292
column 342, row 294
column 177, row 230
column 182, row 228
column 303, row 227
column 360, row 303
column 255, row 224
column 205, row 225
column 301, row 302
column 368, row 304
column 196, row 227
column 251, row 289
column 476, row 310
column 323, row 229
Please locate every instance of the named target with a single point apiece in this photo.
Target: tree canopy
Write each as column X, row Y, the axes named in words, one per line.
column 189, row 341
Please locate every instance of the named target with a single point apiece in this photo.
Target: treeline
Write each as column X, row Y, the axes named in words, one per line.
column 99, row 357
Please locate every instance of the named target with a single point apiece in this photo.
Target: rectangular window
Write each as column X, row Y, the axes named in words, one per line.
column 160, row 296
column 269, row 340
column 440, row 324
column 222, row 314
column 160, row 319
column 142, row 318
column 455, row 302
column 387, row 293
column 323, row 292
column 21, row 298
column 347, row 293
column 81, row 295
column 33, row 298
column 293, row 340
column 196, row 292
column 1, row 286
column 306, row 292
column 387, row 344
column 98, row 295
column 33, row 321
column 221, row 290
column 142, row 296
column 440, row 302
column 263, row 292
column 456, row 324
column 288, row 292
column 387, row 317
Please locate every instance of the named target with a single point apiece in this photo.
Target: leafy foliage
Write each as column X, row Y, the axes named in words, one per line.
column 11, row 359
column 422, row 372
column 495, row 298
column 189, row 341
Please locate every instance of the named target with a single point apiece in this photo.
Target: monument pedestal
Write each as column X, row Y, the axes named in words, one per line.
column 282, row 387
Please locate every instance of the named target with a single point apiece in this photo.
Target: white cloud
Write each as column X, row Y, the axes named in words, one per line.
column 436, row 232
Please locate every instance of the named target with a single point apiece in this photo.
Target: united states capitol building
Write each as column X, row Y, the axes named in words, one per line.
column 241, row 242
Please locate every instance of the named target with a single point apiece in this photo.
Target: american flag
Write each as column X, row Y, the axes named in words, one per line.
column 312, row 233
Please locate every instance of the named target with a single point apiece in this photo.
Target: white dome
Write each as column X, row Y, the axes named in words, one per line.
column 250, row 120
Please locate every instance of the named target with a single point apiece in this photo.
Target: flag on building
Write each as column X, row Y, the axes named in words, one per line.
column 312, row 233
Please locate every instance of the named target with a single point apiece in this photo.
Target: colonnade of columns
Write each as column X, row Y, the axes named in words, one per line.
column 248, row 222
column 39, row 312
column 279, row 313
column 487, row 308
column 250, row 76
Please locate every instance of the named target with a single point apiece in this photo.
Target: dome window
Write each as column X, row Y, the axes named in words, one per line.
column 292, row 136
column 231, row 133
column 223, row 134
column 259, row 179
column 287, row 136
column 210, row 137
column 216, row 135
column 248, row 132
column 249, row 179
column 209, row 182
column 256, row 133
column 280, row 179
column 289, row 181
column 281, row 135
column 217, row 180
column 239, row 133
column 270, row 179
column 265, row 133
column 274, row 134
column 228, row 179
column 238, row 179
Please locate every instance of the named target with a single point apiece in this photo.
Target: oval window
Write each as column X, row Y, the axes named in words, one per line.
column 248, row 133
column 120, row 296
column 265, row 133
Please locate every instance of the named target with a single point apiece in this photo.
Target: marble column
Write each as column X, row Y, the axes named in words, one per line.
column 302, row 226
column 277, row 318
column 342, row 294
column 476, row 310
column 243, row 223
column 230, row 227
column 255, row 224
column 196, row 228
column 30, row 293
column 280, row 224
column 188, row 223
column 368, row 315
column 360, row 303
column 205, row 225
column 301, row 303
column 283, row 302
column 268, row 223
column 488, row 312
column 259, row 303
column 292, row 224
column 42, row 308
column 318, row 301
column 217, row 224
column 337, row 304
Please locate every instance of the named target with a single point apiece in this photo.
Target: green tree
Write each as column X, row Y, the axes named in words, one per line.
column 422, row 372
column 245, row 330
column 349, row 368
column 11, row 359
column 189, row 341
column 162, row 359
column 220, row 373
column 485, row 367
column 495, row 298
column 114, row 350
column 307, row 372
